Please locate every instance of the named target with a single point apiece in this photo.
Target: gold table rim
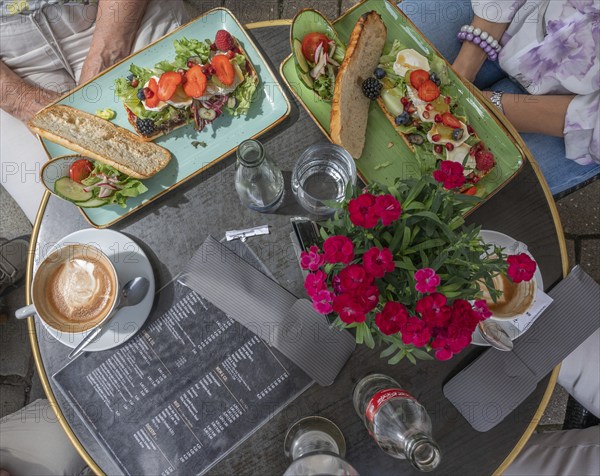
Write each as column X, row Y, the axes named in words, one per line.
column 83, row 452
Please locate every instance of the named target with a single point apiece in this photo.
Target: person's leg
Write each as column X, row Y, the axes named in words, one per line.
column 574, row 452
column 33, row 443
column 440, row 21
column 549, row 152
column 13, row 261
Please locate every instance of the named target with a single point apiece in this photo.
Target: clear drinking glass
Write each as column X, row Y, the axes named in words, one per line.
column 317, row 447
column 323, row 172
column 259, row 182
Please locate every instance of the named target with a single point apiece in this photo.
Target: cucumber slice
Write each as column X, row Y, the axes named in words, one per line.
column 92, row 203
column 70, row 190
column 307, row 80
column 392, row 102
column 300, row 56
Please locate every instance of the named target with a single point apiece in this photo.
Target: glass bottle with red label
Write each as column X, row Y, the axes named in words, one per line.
column 397, row 421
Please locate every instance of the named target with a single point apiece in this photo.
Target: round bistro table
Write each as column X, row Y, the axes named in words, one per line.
column 174, row 226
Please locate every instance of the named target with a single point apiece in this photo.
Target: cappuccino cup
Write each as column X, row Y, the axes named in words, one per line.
column 74, row 289
column 516, row 298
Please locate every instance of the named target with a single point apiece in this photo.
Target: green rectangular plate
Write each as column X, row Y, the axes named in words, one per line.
column 270, row 106
column 383, row 144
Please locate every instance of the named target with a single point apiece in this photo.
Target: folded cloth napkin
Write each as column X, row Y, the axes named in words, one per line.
column 289, row 324
column 496, row 383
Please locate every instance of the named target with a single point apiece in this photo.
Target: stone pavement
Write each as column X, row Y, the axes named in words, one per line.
column 19, row 385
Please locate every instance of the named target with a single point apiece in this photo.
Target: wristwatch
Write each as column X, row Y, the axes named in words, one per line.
column 496, row 100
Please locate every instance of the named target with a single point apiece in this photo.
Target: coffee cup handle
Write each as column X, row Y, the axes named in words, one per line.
column 25, row 312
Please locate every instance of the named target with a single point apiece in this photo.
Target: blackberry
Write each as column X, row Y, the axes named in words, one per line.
column 371, row 88
column 379, row 73
column 140, row 94
column 145, row 126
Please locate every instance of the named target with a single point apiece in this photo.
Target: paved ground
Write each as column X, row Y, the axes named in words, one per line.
column 19, row 385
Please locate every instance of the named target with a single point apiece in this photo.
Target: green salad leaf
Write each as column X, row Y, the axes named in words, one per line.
column 185, row 48
column 128, row 187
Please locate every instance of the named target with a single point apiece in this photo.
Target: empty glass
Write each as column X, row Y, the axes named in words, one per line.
column 323, row 172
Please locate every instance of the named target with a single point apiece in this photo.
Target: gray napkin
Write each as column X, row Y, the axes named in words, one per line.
column 289, row 324
column 493, row 385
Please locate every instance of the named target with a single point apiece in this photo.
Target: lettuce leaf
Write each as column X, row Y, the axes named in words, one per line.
column 439, row 67
column 323, row 86
column 129, row 187
column 185, row 48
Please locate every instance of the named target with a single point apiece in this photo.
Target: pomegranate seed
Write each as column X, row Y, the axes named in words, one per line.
column 410, row 109
column 404, row 101
column 429, row 107
column 426, row 114
column 470, row 129
column 190, row 64
column 437, row 118
column 230, row 54
column 213, row 47
column 134, row 83
column 472, row 151
column 475, row 179
column 416, row 123
column 449, row 146
column 447, row 99
column 437, row 148
column 436, row 137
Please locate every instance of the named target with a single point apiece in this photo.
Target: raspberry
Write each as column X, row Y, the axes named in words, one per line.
column 484, row 160
column 224, row 41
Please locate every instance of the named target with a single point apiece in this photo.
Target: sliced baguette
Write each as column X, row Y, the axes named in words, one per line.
column 350, row 107
column 101, row 140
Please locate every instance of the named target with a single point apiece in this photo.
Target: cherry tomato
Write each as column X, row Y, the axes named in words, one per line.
column 167, row 85
column 80, row 170
column 224, row 69
column 152, row 100
column 195, row 82
column 310, row 44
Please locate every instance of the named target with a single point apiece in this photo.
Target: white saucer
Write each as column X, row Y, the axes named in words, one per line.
column 518, row 325
column 129, row 261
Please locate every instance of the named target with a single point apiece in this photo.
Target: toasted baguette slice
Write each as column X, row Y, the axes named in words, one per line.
column 101, row 140
column 350, row 107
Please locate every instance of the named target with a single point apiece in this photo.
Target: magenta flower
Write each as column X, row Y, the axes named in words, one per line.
column 353, row 276
column 338, row 249
column 312, row 259
column 362, row 211
column 378, row 261
column 520, row 267
column 315, row 282
column 391, row 319
column 349, row 308
column 427, row 280
column 450, row 174
column 388, row 208
column 434, row 310
column 415, row 331
column 322, row 301
column 481, row 309
column 368, row 296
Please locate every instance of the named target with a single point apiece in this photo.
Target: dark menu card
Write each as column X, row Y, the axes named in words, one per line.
column 182, row 393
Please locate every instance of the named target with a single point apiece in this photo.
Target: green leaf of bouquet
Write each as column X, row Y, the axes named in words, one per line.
column 334, row 204
column 369, row 342
column 323, row 233
column 421, row 354
column 411, row 358
column 389, row 351
column 359, row 334
column 415, row 206
column 397, row 358
column 405, row 238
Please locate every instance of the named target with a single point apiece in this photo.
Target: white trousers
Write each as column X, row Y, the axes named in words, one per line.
column 27, row 46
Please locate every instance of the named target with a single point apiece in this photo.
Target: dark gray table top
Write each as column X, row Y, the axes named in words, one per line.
column 173, row 227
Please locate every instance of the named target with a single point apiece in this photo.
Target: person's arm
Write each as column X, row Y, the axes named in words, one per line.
column 543, row 114
column 471, row 57
column 117, row 23
column 20, row 98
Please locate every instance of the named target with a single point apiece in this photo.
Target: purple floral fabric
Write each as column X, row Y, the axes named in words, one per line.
column 550, row 47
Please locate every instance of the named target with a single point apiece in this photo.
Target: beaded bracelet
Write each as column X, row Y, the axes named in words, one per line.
column 482, row 39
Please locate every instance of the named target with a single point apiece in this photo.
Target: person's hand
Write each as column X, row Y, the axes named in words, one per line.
column 32, row 103
column 100, row 58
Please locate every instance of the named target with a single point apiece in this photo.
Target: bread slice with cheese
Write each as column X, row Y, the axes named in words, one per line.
column 350, row 107
column 101, row 140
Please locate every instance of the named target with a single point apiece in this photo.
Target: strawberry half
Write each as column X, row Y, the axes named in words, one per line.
column 224, row 40
column 418, row 77
column 428, row 91
column 449, row 120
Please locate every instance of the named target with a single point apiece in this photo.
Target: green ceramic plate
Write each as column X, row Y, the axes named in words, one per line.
column 270, row 106
column 383, row 144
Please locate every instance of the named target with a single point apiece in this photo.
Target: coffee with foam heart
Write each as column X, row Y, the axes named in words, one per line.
column 75, row 288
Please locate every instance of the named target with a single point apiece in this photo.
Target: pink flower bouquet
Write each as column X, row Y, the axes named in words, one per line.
column 400, row 267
